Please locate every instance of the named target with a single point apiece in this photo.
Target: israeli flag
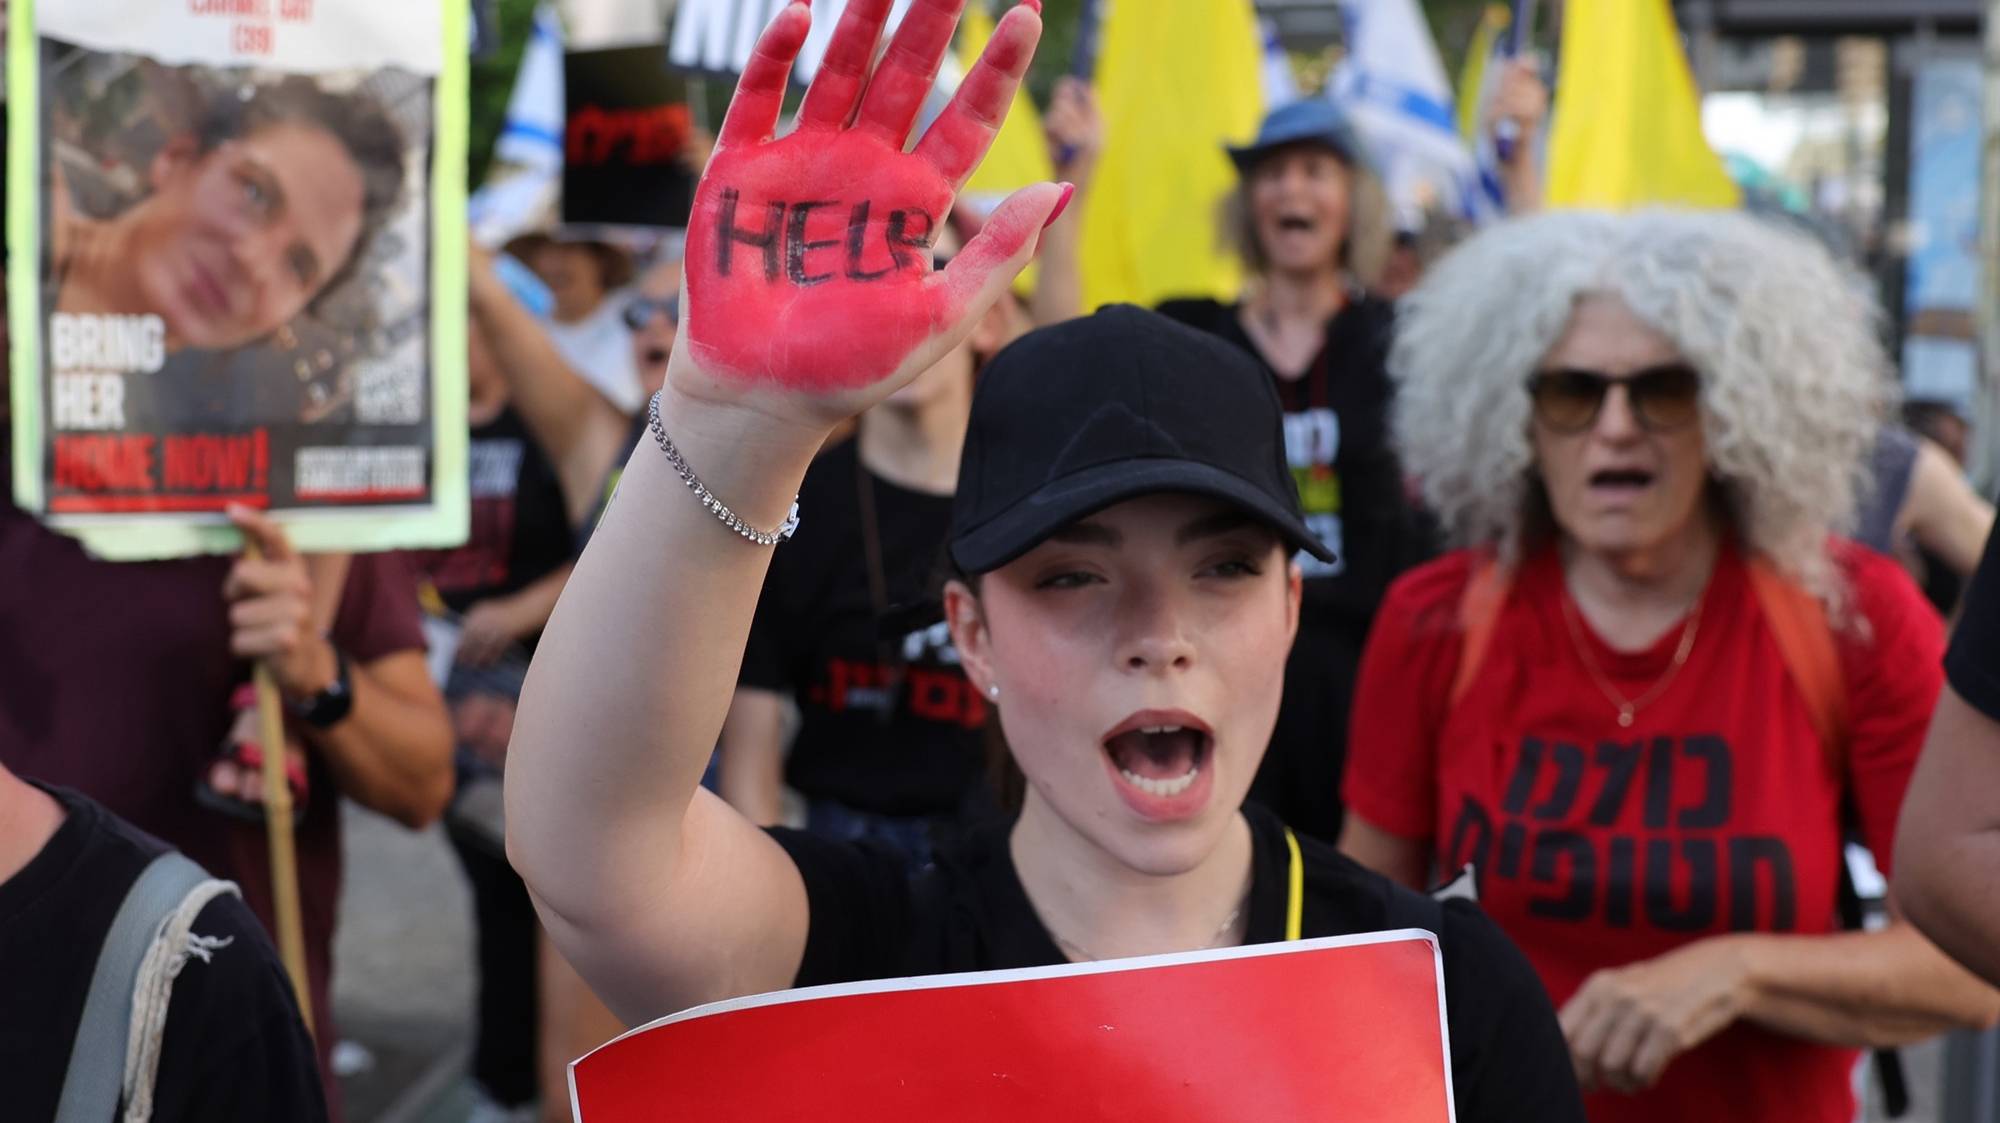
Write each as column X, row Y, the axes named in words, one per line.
column 532, row 135
column 522, row 192
column 1392, row 85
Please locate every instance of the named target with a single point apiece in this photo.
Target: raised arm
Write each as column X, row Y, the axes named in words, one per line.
column 809, row 298
column 1523, row 99
column 579, row 429
column 1076, row 139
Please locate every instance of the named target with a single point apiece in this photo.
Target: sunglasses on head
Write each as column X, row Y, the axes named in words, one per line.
column 640, row 310
column 1662, row 398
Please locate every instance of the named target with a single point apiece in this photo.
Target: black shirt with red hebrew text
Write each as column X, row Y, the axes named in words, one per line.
column 888, row 722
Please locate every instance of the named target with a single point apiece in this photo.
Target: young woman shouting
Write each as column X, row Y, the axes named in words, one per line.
column 1123, row 520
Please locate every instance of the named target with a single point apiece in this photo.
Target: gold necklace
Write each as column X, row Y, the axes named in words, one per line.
column 1628, row 708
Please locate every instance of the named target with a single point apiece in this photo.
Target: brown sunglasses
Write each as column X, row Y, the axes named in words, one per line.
column 1663, row 398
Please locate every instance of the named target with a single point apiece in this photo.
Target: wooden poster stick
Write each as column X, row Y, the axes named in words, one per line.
column 278, row 827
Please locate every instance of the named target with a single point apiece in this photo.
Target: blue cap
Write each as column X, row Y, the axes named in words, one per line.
column 1313, row 120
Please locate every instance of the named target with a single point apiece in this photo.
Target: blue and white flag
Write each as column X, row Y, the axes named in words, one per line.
column 532, row 135
column 1499, row 50
column 522, row 191
column 1281, row 87
column 1392, row 85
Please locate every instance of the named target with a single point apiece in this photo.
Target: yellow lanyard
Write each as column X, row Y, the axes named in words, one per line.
column 1295, row 892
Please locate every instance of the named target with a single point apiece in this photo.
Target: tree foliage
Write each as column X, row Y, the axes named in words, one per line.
column 492, row 83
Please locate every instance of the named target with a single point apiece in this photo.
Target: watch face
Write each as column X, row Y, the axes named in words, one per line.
column 329, row 706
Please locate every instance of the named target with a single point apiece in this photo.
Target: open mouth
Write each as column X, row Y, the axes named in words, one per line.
column 1161, row 759
column 1293, row 223
column 1621, row 480
column 207, row 292
column 656, row 355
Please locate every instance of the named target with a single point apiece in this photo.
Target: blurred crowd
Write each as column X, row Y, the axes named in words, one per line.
column 1482, row 434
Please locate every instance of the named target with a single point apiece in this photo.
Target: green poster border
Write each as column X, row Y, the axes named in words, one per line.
column 137, row 537
column 24, row 256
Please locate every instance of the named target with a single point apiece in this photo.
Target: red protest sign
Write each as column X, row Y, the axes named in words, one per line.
column 1349, row 1027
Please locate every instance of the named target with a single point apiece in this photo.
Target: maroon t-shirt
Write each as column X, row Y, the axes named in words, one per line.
column 115, row 680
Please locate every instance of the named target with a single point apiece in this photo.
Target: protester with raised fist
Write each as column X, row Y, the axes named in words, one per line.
column 1122, row 524
column 1642, row 697
column 585, row 435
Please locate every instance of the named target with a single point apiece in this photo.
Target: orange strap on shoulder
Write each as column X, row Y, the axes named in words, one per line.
column 1797, row 620
column 1805, row 641
column 1478, row 616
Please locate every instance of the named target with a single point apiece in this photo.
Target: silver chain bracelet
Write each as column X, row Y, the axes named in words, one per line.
column 716, row 506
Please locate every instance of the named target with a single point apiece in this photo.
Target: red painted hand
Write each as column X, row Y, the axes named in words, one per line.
column 810, row 290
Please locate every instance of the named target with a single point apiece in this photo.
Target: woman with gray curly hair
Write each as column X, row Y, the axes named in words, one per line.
column 1640, row 695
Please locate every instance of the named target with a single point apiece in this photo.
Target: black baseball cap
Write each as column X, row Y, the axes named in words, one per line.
column 1073, row 418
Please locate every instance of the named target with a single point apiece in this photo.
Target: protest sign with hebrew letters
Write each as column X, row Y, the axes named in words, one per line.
column 626, row 140
column 1350, row 1027
column 237, row 270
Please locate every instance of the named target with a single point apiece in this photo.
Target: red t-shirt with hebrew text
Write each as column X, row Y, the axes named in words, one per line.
column 1716, row 811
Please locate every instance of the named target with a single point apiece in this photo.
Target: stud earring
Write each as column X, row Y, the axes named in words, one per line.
column 993, row 691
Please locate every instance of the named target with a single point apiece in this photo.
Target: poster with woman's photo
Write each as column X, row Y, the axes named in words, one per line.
column 237, row 250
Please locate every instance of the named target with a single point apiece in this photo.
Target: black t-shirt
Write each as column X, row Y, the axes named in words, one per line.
column 870, row 920
column 234, row 1047
column 1351, row 489
column 519, row 527
column 889, row 723
column 1973, row 663
column 1337, row 440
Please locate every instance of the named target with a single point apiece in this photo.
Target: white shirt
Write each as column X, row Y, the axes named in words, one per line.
column 599, row 347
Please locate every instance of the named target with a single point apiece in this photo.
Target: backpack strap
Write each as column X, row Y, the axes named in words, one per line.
column 98, row 1057
column 1797, row 620
column 1805, row 641
column 1478, row 617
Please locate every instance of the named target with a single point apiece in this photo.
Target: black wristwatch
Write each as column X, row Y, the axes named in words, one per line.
column 329, row 707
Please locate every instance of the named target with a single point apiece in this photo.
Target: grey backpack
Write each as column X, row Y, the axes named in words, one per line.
column 116, row 1054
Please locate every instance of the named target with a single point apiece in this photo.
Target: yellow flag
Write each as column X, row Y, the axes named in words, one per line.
column 1627, row 119
column 1176, row 80
column 1472, row 80
column 1020, row 153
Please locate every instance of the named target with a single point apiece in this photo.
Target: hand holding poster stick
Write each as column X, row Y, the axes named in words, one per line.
column 278, row 826
column 270, row 627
